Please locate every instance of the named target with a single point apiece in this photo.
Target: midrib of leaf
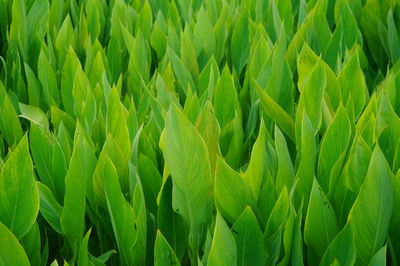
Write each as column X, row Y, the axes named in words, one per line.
column 50, row 179
column 379, row 217
column 243, row 249
column 326, row 226
column 15, row 209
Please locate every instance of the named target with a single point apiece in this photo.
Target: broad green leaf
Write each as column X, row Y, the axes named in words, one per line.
column 232, row 192
column 207, row 125
column 353, row 86
column 254, row 174
column 351, row 32
column 376, row 195
column 128, row 223
column 223, row 247
column 321, row 225
column 204, row 37
column 50, row 209
column 31, row 244
column 169, row 222
column 276, row 113
column 292, row 239
column 164, row 255
column 37, row 19
column 19, row 195
column 34, row 114
column 357, row 164
column 33, row 87
column 43, row 147
column 312, row 95
column 387, row 128
column 393, row 38
column 278, row 214
column 47, row 78
column 190, row 172
column 10, row 126
column 11, row 251
column 379, row 258
column 285, row 174
column 188, row 53
column 145, row 20
column 240, row 43
column 158, row 38
column 333, row 145
column 226, row 101
column 80, row 170
column 65, row 38
column 151, row 181
column 71, row 67
column 184, row 79
column 116, row 126
column 341, row 249
column 83, row 258
column 19, row 27
column 249, row 239
column 308, row 154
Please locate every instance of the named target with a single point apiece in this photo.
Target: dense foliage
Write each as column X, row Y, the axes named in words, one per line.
column 202, row 132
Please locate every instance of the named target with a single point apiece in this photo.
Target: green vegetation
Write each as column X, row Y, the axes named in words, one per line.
column 201, row 132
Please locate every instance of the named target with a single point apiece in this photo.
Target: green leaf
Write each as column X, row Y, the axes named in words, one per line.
column 276, row 113
column 50, row 209
column 31, row 244
column 379, row 258
column 285, row 175
column 190, row 172
column 321, row 225
column 353, row 86
column 249, row 239
column 11, row 251
column 393, row 38
column 311, row 96
column 254, row 174
column 47, row 78
column 152, row 179
column 351, row 32
column 308, row 154
column 240, row 47
column 226, row 101
column 80, row 170
column 65, row 39
column 19, row 27
column 128, row 223
column 376, row 195
column 116, row 125
column 183, row 76
column 34, row 114
column 223, row 247
column 188, row 53
column 19, row 195
column 278, row 214
column 70, row 69
column 37, row 19
column 341, row 249
column 164, row 255
column 333, row 145
column 169, row 222
column 43, row 148
column 9, row 124
column 232, row 192
column 207, row 125
column 83, row 258
column 204, row 37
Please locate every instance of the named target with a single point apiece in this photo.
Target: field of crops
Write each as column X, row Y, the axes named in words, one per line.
column 199, row 132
